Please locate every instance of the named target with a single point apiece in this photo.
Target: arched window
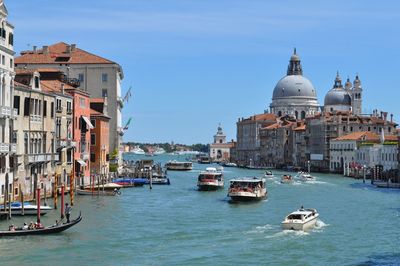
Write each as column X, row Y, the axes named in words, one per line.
column 303, row 114
column 296, row 114
column 280, row 113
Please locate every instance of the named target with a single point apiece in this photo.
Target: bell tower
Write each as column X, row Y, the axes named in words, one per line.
column 356, row 96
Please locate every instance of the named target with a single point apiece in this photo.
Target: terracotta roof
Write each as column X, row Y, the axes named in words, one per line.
column 17, row 84
column 273, row 126
column 97, row 100
column 57, row 54
column 366, row 136
column 94, row 112
column 264, row 117
column 53, row 85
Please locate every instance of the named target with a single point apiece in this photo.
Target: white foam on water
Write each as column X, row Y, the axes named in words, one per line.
column 319, row 225
column 262, row 229
column 288, row 233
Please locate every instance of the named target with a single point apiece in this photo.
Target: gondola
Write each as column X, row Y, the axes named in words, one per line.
column 54, row 229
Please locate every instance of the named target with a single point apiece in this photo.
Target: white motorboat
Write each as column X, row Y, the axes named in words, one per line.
column 304, row 176
column 211, row 179
column 268, row 174
column 159, row 151
column 29, row 209
column 301, row 219
column 179, row 166
column 287, row 179
column 230, row 165
column 138, row 150
column 108, row 186
column 247, row 189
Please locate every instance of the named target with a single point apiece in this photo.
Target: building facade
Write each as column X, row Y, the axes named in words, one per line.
column 99, row 137
column 99, row 77
column 34, row 134
column 220, row 150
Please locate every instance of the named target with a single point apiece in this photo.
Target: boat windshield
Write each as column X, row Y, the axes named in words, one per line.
column 295, row 217
column 203, row 177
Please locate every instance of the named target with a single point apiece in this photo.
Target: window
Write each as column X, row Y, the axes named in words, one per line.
column 93, row 121
column 11, row 63
column 81, row 77
column 36, row 82
column 52, row 109
column 69, row 107
column 58, row 127
column 26, row 106
column 104, row 93
column 11, row 38
column 92, row 157
column 104, row 77
column 44, row 142
column 3, row 60
column 93, row 139
column 58, row 105
column 45, row 108
column 16, row 103
column 82, row 102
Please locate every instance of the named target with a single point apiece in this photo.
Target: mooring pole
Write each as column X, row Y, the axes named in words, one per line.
column 38, row 205
column 62, row 201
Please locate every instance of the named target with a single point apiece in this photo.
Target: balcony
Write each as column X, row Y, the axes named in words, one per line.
column 61, row 144
column 69, row 111
column 35, row 119
column 4, row 148
column 8, row 112
column 59, row 109
column 85, row 156
column 41, row 158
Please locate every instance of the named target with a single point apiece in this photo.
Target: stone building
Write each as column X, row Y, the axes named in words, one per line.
column 220, row 150
column 35, row 135
column 248, row 146
column 99, row 136
column 294, row 94
column 99, row 77
column 53, row 81
column 7, row 113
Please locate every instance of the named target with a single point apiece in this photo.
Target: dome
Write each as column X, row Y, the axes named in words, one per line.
column 337, row 96
column 294, row 86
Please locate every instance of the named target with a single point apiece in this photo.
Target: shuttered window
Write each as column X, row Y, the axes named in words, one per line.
column 26, row 106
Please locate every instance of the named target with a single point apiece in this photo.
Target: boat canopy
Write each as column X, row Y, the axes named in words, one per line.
column 247, row 180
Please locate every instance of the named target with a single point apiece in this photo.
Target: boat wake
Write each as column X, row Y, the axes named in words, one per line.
column 286, row 233
column 319, row 225
column 262, row 229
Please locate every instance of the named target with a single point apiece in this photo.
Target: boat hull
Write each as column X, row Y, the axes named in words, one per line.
column 209, row 186
column 97, row 193
column 247, row 196
column 297, row 226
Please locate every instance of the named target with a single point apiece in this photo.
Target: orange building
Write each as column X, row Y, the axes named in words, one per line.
column 99, row 136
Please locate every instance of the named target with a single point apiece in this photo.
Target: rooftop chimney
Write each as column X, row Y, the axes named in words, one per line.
column 73, row 47
column 45, row 49
column 62, row 88
column 68, row 49
column 34, row 49
column 391, row 118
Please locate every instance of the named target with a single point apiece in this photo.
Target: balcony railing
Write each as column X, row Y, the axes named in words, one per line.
column 69, row 111
column 36, row 118
column 43, row 157
column 59, row 109
column 85, row 156
column 4, row 147
column 8, row 112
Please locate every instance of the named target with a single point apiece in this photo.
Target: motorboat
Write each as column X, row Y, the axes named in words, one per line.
column 57, row 228
column 287, row 179
column 138, row 150
column 301, row 219
column 128, row 182
column 269, row 174
column 108, row 186
column 247, row 189
column 229, row 165
column 304, row 176
column 159, row 179
column 29, row 209
column 179, row 166
column 210, row 179
column 204, row 160
column 159, row 151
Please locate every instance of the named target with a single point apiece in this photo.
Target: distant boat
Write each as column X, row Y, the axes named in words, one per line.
column 306, row 176
column 138, row 150
column 211, row 179
column 179, row 166
column 287, row 179
column 29, row 209
column 247, row 189
column 204, row 160
column 97, row 192
column 301, row 219
column 159, row 151
column 269, row 174
column 229, row 164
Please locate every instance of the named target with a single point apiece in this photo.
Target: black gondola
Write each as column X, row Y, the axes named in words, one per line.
column 45, row 231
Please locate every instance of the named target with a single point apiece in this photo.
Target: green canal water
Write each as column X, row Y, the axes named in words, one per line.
column 178, row 225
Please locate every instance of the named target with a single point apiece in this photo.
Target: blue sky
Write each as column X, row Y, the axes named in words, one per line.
column 196, row 63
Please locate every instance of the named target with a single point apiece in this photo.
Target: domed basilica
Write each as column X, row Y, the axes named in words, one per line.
column 294, row 95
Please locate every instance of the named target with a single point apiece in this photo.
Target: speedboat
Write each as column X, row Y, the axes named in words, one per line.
column 306, row 176
column 230, row 165
column 159, row 151
column 210, row 179
column 29, row 209
column 301, row 219
column 179, row 166
column 287, row 179
column 159, row 179
column 269, row 174
column 247, row 189
column 108, row 186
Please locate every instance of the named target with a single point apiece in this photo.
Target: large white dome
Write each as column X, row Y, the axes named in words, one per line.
column 294, row 86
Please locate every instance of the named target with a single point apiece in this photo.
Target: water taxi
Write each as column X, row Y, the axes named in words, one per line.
column 247, row 189
column 204, row 160
column 301, row 219
column 287, row 179
column 304, row 176
column 179, row 166
column 229, row 164
column 29, row 209
column 269, row 174
column 210, row 179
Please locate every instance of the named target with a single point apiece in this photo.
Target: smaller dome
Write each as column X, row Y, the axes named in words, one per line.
column 337, row 96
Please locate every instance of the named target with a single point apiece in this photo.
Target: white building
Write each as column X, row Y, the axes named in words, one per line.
column 220, row 149
column 7, row 112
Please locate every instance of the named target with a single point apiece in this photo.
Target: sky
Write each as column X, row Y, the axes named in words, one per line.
column 193, row 64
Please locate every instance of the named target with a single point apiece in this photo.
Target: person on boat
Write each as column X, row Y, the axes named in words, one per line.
column 67, row 211
column 25, row 227
column 31, row 226
column 11, row 228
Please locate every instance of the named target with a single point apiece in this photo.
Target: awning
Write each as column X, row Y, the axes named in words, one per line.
column 87, row 120
column 81, row 162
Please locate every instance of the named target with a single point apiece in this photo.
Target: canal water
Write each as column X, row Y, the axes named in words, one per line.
column 178, row 225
